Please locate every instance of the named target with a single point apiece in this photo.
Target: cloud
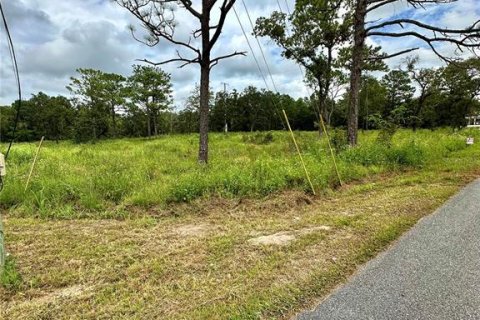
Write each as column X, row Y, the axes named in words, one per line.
column 53, row 38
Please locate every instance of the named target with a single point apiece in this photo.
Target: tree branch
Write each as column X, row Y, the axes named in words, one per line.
column 156, row 21
column 188, row 5
column 224, row 9
column 472, row 29
column 389, row 56
column 460, row 43
column 179, row 59
column 215, row 61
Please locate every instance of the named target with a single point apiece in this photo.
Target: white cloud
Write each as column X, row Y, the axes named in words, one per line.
column 53, row 38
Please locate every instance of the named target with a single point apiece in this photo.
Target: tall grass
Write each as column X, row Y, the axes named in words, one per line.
column 107, row 177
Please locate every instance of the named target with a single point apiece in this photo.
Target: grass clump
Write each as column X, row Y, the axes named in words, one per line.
column 259, row 138
column 198, row 261
column 10, row 278
column 74, row 180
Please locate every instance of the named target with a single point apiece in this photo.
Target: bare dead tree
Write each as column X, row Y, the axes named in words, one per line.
column 467, row 39
column 158, row 18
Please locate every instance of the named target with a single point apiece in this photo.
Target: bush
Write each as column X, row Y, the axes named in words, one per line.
column 385, row 136
column 259, row 138
column 411, row 155
column 338, row 138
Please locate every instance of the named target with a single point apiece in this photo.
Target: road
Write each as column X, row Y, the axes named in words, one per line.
column 432, row 272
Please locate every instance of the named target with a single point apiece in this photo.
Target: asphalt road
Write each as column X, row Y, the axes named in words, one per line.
column 432, row 272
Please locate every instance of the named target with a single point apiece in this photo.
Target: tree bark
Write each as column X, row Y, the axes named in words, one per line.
column 149, row 126
column 204, row 110
column 204, row 85
column 356, row 70
column 114, row 120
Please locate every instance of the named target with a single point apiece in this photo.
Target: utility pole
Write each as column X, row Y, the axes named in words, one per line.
column 225, row 106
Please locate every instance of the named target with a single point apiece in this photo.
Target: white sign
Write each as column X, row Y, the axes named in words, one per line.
column 470, row 141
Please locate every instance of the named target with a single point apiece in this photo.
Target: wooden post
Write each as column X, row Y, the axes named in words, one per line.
column 299, row 153
column 33, row 164
column 331, row 149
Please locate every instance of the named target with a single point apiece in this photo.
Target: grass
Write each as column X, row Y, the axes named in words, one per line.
column 105, row 179
column 133, row 229
column 10, row 278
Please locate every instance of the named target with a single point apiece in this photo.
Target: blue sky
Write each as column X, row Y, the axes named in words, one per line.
column 53, row 38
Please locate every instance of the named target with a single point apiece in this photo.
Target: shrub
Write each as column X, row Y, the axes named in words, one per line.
column 338, row 138
column 385, row 136
column 259, row 138
column 410, row 155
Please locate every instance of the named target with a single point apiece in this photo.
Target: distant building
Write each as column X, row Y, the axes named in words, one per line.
column 473, row 121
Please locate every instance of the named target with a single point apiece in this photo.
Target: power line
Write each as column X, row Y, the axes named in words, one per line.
column 257, row 63
column 260, row 46
column 302, row 72
column 251, row 48
column 279, row 6
column 17, row 77
column 288, row 7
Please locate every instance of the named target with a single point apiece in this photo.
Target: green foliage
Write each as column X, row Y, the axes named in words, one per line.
column 310, row 35
column 338, row 139
column 10, row 278
column 386, row 133
column 259, row 138
column 2, row 246
column 77, row 180
column 150, row 89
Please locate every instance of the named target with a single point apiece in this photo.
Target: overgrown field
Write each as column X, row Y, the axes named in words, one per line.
column 105, row 179
column 133, row 229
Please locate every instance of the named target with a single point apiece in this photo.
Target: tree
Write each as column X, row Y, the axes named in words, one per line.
column 158, row 18
column 427, row 82
column 430, row 35
column 372, row 99
column 150, row 88
column 51, row 117
column 113, row 93
column 98, row 94
column 318, row 30
column 460, row 85
column 399, row 90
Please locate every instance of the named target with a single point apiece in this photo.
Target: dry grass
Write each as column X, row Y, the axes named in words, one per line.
column 199, row 262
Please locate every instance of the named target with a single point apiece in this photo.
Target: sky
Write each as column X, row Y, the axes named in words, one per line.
column 53, row 38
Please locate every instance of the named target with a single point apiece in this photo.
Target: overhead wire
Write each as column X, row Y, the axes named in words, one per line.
column 302, row 72
column 19, row 87
column 258, row 64
column 251, row 48
column 17, row 78
column 260, row 47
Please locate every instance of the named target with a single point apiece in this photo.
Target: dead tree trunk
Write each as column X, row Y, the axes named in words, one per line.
column 160, row 22
column 204, row 112
column 356, row 70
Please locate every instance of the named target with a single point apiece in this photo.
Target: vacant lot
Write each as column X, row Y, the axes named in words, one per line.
column 134, row 229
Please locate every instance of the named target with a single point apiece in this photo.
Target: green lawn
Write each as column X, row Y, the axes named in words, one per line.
column 134, row 229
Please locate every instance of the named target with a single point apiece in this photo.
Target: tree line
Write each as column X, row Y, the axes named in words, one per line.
column 328, row 38
column 106, row 105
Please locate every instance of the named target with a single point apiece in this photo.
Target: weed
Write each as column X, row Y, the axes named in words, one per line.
column 10, row 278
column 89, row 179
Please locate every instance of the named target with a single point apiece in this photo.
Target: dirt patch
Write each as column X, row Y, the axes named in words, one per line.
column 192, row 230
column 314, row 229
column 59, row 294
column 285, row 237
column 278, row 239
